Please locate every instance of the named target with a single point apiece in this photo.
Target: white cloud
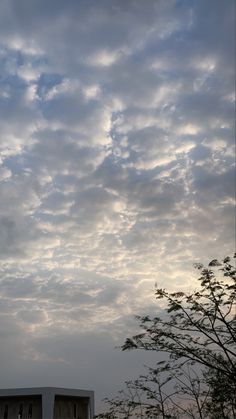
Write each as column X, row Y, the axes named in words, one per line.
column 28, row 73
column 188, row 129
column 103, row 58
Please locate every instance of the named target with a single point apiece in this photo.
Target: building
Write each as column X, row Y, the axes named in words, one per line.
column 46, row 403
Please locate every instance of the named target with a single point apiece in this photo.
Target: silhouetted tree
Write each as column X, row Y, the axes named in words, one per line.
column 198, row 335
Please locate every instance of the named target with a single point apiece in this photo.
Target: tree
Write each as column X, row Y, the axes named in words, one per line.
column 222, row 396
column 161, row 393
column 198, row 335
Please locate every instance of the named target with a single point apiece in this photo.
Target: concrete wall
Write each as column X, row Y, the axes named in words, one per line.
column 71, row 408
column 46, row 403
column 21, row 407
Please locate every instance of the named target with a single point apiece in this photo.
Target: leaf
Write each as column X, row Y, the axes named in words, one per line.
column 214, row 262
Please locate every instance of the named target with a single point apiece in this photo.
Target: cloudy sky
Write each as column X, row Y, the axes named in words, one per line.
column 116, row 172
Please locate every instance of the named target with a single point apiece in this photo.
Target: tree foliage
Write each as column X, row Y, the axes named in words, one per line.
column 197, row 333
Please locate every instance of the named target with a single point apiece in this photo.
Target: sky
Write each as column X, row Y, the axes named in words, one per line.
column 116, row 174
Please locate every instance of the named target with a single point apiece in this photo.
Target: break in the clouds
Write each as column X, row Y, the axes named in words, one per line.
column 116, row 172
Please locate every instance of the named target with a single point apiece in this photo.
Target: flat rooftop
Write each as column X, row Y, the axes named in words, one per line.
column 42, row 390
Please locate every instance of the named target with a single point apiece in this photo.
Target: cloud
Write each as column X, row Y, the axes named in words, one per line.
column 116, row 172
